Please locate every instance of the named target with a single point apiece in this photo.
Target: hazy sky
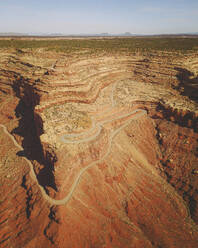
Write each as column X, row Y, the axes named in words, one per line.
column 97, row 16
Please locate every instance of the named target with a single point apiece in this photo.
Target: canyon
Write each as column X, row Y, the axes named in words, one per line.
column 98, row 149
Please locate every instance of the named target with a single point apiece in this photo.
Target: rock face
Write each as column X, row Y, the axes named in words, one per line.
column 98, row 151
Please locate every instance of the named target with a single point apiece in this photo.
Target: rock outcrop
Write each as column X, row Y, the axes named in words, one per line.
column 98, row 151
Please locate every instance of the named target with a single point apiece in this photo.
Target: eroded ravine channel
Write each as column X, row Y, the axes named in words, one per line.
column 32, row 148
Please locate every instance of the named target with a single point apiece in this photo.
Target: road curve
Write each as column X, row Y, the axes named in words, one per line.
column 77, row 138
column 69, row 195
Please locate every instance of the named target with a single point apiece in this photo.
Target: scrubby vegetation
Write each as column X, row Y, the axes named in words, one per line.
column 134, row 44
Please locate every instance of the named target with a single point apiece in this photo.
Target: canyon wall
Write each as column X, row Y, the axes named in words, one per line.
column 97, row 152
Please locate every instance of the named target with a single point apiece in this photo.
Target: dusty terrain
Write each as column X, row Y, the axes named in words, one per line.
column 98, row 150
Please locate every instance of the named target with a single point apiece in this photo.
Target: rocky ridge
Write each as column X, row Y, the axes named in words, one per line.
column 71, row 112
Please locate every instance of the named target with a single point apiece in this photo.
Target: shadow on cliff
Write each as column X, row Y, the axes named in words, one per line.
column 184, row 118
column 28, row 130
column 188, row 84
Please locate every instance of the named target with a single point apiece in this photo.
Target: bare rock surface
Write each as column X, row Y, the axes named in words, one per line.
column 98, row 150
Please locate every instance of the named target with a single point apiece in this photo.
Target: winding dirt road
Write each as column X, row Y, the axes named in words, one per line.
column 78, row 138
column 68, row 197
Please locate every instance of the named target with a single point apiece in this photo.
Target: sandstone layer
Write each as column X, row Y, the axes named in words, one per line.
column 98, row 150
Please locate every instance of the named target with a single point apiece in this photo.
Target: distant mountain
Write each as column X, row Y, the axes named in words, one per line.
column 61, row 34
column 13, row 34
column 195, row 33
column 126, row 34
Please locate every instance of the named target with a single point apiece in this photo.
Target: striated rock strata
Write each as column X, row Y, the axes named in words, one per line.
column 98, row 151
